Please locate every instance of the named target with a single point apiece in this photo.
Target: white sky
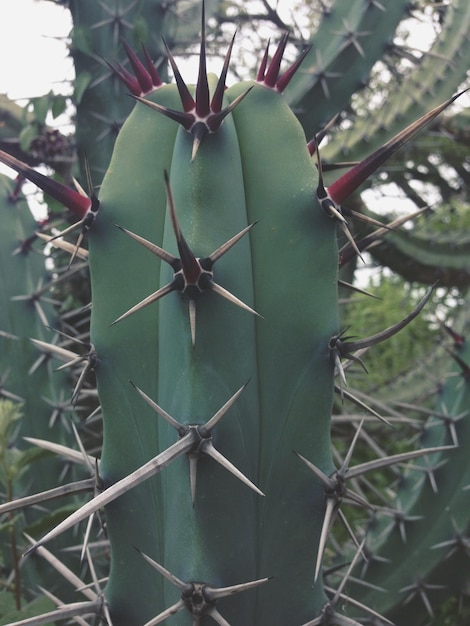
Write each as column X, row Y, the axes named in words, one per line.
column 33, row 56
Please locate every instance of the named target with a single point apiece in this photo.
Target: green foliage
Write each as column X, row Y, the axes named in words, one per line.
column 364, row 315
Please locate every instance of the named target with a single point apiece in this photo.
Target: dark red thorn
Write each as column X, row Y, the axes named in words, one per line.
column 465, row 367
column 215, row 120
column 459, row 340
column 186, row 98
column 15, row 194
column 263, row 65
column 202, row 86
column 141, row 73
column 185, row 119
column 316, row 141
column 285, row 79
column 126, row 77
column 350, row 181
column 189, row 264
column 152, row 70
column 77, row 203
column 217, row 98
column 272, row 73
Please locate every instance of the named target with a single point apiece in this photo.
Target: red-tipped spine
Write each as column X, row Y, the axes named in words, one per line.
column 349, row 182
column 217, row 98
column 152, row 70
column 202, row 87
column 76, row 202
column 272, row 73
column 264, row 63
column 285, row 79
column 141, row 73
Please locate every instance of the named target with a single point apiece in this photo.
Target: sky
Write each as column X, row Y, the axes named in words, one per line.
column 32, row 50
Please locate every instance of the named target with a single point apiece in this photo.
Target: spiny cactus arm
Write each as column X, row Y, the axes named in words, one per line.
column 427, row 258
column 22, row 269
column 422, row 254
column 441, row 71
column 349, row 39
column 441, row 500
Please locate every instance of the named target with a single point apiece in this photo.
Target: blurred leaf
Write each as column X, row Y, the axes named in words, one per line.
column 59, row 105
column 27, row 135
column 8, row 612
column 81, row 85
column 41, row 107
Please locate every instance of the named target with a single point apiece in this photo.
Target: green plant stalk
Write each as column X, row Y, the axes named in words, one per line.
column 192, row 382
column 38, row 391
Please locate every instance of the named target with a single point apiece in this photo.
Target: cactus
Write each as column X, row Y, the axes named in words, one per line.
column 216, row 471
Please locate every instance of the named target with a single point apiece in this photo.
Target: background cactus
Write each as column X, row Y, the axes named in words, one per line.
column 239, row 202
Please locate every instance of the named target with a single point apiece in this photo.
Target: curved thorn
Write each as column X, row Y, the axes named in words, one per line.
column 215, row 593
column 351, row 346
